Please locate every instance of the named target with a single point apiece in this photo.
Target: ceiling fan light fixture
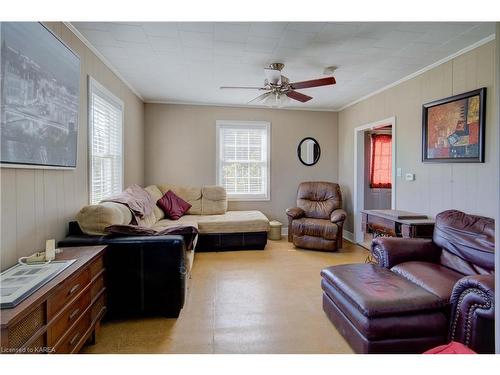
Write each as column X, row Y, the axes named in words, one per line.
column 273, row 76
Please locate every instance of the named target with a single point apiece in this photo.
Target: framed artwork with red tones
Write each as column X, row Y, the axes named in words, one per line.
column 453, row 128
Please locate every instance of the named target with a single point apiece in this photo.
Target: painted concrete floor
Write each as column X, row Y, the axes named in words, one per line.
column 242, row 302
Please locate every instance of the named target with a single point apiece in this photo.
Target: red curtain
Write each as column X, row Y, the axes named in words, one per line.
column 381, row 161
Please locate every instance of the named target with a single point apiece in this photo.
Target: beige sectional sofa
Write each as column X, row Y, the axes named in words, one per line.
column 149, row 275
column 218, row 228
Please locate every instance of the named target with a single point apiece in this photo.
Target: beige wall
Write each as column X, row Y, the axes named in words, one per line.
column 36, row 204
column 181, row 141
column 468, row 187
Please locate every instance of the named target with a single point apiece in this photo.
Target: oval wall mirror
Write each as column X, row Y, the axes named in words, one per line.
column 308, row 151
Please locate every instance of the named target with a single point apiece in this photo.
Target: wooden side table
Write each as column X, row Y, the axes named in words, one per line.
column 395, row 223
column 63, row 314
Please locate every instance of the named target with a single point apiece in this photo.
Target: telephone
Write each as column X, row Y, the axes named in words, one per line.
column 42, row 257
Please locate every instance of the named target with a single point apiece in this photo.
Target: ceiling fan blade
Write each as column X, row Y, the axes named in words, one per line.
column 298, row 96
column 259, row 98
column 313, row 83
column 243, row 87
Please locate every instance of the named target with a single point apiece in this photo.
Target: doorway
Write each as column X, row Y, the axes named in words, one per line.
column 374, row 171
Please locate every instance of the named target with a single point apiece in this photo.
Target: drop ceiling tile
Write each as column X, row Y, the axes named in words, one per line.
column 358, row 45
column 170, row 58
column 202, row 27
column 141, row 49
column 198, row 54
column 102, row 26
column 483, row 28
column 310, row 27
column 231, row 32
column 261, row 44
column 229, row 48
column 197, row 39
column 128, row 33
column 168, row 29
column 296, row 39
column 415, row 50
column 161, row 43
column 397, row 39
column 269, row 29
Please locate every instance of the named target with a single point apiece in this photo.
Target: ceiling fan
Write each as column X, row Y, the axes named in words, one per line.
column 279, row 88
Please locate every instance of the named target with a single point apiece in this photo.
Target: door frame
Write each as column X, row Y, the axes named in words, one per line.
column 359, row 170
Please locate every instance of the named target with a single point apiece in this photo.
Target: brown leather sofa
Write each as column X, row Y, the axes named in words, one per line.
column 317, row 221
column 422, row 293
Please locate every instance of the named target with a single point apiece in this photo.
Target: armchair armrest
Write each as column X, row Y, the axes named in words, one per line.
column 473, row 312
column 389, row 251
column 338, row 215
column 295, row 212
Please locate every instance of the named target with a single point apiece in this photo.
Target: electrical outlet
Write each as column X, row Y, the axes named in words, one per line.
column 410, row 177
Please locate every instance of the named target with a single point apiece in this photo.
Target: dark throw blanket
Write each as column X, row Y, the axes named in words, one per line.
column 188, row 232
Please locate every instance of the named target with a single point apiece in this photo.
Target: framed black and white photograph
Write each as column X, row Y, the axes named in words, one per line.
column 40, row 89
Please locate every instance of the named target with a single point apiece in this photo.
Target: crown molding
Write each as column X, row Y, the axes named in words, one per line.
column 101, row 57
column 479, row 43
column 172, row 102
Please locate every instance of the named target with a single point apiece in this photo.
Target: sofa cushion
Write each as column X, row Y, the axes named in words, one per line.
column 234, row 222
column 185, row 220
column 156, row 195
column 173, row 206
column 192, row 195
column 306, row 226
column 432, row 277
column 213, row 200
column 377, row 291
column 95, row 218
column 230, row 222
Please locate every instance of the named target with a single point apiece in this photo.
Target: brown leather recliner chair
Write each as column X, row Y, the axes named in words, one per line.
column 422, row 293
column 317, row 221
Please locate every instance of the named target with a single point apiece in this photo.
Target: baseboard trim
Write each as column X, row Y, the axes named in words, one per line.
column 349, row 236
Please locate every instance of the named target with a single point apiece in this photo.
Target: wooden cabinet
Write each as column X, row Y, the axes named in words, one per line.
column 65, row 313
column 394, row 223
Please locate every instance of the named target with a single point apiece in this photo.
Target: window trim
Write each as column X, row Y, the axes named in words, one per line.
column 248, row 124
column 91, row 84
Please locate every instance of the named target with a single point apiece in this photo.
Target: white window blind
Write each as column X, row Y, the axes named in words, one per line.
column 243, row 159
column 106, row 142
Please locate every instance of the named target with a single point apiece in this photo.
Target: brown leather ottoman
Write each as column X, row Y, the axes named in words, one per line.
column 377, row 311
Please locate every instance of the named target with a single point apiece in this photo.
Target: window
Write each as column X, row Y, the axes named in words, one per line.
column 105, row 148
column 243, row 150
column 381, row 161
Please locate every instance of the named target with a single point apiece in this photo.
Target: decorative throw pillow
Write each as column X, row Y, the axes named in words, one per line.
column 173, row 206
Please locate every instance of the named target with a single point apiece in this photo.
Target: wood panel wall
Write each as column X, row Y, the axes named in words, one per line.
column 470, row 187
column 36, row 204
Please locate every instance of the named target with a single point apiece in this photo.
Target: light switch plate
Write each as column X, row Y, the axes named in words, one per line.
column 399, row 172
column 410, row 177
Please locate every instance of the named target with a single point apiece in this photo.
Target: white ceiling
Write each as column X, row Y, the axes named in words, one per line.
column 186, row 62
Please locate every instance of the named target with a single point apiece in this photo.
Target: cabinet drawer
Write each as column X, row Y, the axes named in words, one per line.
column 68, row 318
column 68, row 290
column 97, row 286
column 98, row 307
column 70, row 342
column 96, row 267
